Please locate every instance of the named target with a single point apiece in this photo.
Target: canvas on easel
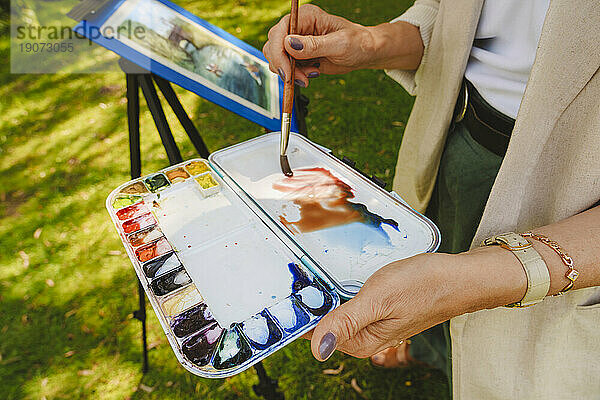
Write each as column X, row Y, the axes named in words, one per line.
column 188, row 51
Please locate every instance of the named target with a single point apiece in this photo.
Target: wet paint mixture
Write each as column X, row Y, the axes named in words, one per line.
column 324, row 202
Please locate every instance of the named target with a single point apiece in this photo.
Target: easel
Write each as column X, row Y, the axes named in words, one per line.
column 138, row 77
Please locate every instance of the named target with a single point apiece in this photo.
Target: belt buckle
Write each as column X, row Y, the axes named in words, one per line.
column 463, row 110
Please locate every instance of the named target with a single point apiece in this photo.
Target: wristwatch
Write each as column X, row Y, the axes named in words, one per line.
column 538, row 277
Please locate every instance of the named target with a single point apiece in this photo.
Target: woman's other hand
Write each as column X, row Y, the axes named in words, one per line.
column 408, row 296
column 330, row 44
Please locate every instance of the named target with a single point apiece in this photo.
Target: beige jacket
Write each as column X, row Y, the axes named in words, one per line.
column 551, row 171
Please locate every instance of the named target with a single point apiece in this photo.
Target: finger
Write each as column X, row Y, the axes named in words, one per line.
column 308, row 335
column 274, row 50
column 266, row 50
column 329, row 45
column 341, row 325
column 310, row 72
column 280, row 29
column 311, row 62
column 372, row 339
column 300, row 78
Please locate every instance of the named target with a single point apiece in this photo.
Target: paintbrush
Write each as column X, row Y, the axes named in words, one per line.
column 288, row 99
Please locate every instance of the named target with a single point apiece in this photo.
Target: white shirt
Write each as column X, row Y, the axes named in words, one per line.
column 504, row 50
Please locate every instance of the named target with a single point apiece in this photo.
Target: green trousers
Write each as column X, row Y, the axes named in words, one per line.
column 467, row 172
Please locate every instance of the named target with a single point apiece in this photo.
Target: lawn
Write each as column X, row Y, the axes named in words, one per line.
column 67, row 290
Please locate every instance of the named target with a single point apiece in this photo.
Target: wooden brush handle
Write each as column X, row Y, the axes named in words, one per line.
column 288, row 86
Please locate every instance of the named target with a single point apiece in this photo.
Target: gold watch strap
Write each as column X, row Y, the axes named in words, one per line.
column 538, row 277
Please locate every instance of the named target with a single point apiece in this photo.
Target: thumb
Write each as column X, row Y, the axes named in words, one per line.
column 341, row 325
column 304, row 47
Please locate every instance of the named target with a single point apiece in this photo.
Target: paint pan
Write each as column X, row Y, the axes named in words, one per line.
column 137, row 188
column 137, row 223
column 144, row 236
column 153, row 250
column 192, row 320
column 208, row 184
column 197, row 167
column 169, row 282
column 200, row 347
column 261, row 331
column 176, row 175
column 290, row 315
column 156, row 183
column 132, row 211
column 181, row 300
column 124, row 200
column 315, row 299
column 161, row 265
column 232, row 351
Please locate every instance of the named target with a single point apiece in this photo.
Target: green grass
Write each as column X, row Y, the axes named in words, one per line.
column 67, row 290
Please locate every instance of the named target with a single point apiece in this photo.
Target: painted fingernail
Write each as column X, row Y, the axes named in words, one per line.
column 313, row 74
column 317, row 64
column 327, row 345
column 300, row 83
column 281, row 74
column 296, row 44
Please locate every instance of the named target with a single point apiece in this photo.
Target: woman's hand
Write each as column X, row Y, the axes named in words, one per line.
column 325, row 43
column 333, row 45
column 411, row 295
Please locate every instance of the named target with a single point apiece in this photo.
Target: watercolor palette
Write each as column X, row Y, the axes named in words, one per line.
column 227, row 289
column 239, row 260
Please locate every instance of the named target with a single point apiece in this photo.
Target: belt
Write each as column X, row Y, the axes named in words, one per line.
column 486, row 125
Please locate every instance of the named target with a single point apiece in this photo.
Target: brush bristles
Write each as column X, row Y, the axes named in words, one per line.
column 285, row 166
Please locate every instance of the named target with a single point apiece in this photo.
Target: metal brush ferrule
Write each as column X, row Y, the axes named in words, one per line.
column 286, row 120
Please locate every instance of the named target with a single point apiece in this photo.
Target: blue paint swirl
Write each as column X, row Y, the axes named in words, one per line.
column 299, row 276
